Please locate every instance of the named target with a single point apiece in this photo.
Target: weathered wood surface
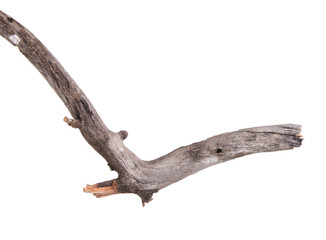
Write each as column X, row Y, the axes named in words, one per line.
column 136, row 176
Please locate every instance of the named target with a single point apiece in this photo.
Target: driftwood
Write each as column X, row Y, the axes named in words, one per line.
column 134, row 175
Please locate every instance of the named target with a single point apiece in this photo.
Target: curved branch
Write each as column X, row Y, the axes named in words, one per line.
column 85, row 116
column 137, row 176
column 188, row 160
column 61, row 82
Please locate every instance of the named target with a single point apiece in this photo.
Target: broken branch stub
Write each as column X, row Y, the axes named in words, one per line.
column 135, row 175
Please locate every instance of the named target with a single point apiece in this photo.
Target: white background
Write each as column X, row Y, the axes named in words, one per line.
column 171, row 73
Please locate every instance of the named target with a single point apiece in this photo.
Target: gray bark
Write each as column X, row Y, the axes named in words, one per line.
column 135, row 175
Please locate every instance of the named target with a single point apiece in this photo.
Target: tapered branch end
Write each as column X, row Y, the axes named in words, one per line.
column 144, row 203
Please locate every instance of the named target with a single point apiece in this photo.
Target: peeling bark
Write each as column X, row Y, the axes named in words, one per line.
column 135, row 175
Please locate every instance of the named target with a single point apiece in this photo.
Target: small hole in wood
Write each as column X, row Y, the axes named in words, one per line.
column 10, row 19
column 219, row 150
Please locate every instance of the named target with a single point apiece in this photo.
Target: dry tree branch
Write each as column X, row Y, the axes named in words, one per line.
column 136, row 176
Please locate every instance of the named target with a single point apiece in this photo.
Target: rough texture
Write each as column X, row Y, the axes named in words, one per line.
column 136, row 176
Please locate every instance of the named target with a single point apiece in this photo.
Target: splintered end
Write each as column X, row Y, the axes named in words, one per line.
column 100, row 192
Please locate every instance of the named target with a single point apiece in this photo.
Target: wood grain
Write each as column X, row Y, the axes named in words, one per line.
column 135, row 175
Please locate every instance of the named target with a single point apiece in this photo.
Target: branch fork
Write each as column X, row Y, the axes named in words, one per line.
column 135, row 175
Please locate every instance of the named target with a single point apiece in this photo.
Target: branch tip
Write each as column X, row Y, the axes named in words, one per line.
column 72, row 122
column 144, row 202
column 66, row 119
column 123, row 134
column 100, row 192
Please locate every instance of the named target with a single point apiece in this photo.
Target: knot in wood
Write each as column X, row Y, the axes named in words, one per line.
column 123, row 134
